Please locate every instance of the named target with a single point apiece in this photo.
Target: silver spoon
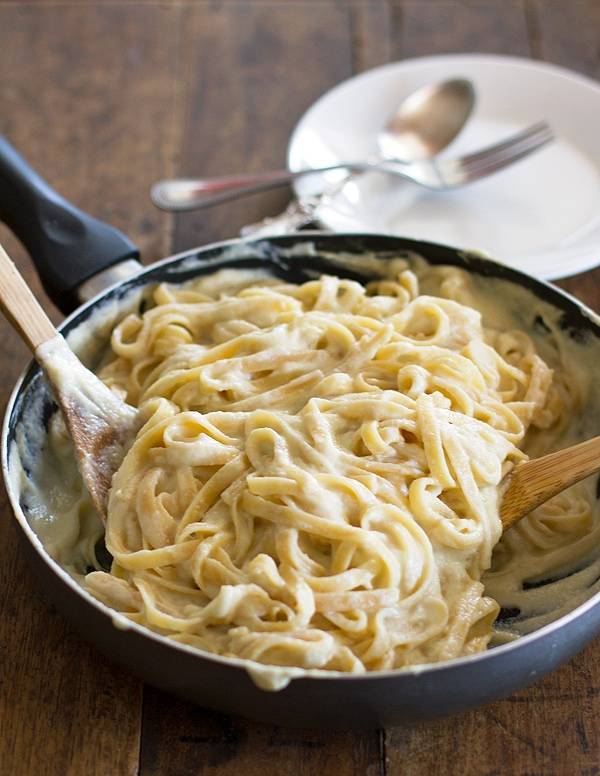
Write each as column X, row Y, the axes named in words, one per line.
column 426, row 122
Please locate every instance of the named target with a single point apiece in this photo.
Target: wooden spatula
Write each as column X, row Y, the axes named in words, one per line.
column 534, row 482
column 100, row 424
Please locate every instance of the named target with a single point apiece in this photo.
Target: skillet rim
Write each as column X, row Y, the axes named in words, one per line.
column 489, row 267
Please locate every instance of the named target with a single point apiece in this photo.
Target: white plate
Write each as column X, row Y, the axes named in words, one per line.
column 542, row 215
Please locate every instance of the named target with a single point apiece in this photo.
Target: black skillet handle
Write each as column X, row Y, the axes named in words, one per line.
column 67, row 246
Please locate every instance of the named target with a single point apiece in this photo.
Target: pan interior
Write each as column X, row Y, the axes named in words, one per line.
column 525, row 302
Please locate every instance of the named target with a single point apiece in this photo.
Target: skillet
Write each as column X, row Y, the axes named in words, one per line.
column 80, row 259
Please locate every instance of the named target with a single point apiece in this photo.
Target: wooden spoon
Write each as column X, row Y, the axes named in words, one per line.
column 100, row 424
column 534, row 482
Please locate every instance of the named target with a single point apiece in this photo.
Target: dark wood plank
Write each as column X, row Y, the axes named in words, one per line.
column 423, row 27
column 94, row 107
column 64, row 709
column 568, row 34
column 252, row 70
column 371, row 41
column 183, row 740
column 84, row 95
column 550, row 728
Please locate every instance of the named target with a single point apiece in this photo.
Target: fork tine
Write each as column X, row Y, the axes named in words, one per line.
column 474, row 172
column 508, row 152
column 451, row 173
column 525, row 134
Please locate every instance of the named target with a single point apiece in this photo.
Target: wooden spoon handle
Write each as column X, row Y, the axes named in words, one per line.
column 21, row 307
column 534, row 482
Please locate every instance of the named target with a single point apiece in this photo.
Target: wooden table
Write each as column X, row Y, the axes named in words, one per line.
column 106, row 97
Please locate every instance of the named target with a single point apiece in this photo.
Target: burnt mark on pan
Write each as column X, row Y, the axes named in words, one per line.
column 570, row 324
column 103, row 557
column 536, row 583
column 540, row 325
column 33, row 409
column 507, row 616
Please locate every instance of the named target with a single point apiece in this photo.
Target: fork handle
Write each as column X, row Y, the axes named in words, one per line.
column 189, row 194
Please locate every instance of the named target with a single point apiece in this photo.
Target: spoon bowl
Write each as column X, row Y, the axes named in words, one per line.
column 427, row 121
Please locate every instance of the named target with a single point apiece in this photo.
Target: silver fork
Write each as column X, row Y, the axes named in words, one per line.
column 436, row 174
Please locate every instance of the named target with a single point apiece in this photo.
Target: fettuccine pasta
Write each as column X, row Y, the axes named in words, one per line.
column 316, row 481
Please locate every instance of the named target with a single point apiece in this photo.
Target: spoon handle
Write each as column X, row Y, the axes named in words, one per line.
column 188, row 194
column 534, row 482
column 21, row 307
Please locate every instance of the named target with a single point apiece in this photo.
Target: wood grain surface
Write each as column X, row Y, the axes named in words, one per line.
column 106, row 97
